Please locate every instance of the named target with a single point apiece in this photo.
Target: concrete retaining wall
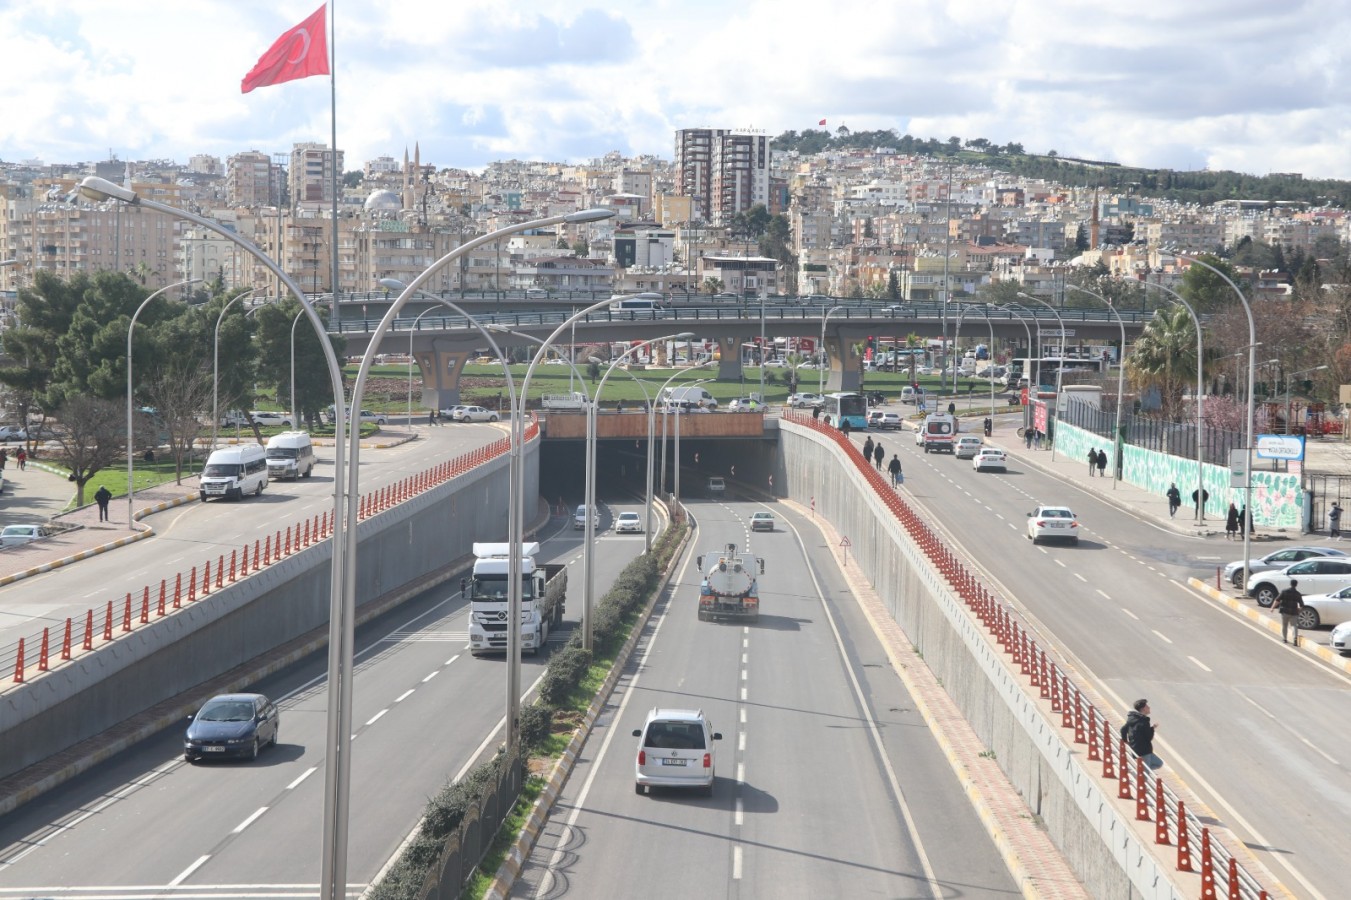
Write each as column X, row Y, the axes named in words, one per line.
column 1099, row 843
column 239, row 622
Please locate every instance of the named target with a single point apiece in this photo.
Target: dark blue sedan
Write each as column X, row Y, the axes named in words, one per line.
column 232, row 725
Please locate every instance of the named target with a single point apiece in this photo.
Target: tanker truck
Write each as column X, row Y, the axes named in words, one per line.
column 543, row 589
column 728, row 589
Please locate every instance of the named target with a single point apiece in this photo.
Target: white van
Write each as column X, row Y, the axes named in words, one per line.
column 649, row 301
column 689, row 396
column 290, row 455
column 234, row 471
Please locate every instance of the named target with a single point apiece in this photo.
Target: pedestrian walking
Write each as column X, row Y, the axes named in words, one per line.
column 816, row 413
column 1027, row 437
column 464, row 587
column 102, row 497
column 1174, row 499
column 1230, row 522
column 1092, row 461
column 1205, row 498
column 4, row 458
column 1334, row 514
column 1036, row 439
column 1245, row 521
column 1288, row 603
column 844, row 426
column 878, row 455
column 1138, row 733
column 952, row 408
column 894, row 467
column 1102, row 463
column 868, row 448
column 431, row 417
column 21, row 457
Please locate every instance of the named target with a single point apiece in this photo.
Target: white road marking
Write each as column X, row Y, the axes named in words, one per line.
column 743, row 715
column 737, row 817
column 1129, row 613
column 430, row 677
column 743, row 674
column 405, row 695
column 1161, row 635
column 303, row 775
column 1061, row 564
column 1199, row 663
column 743, row 693
column 1318, row 751
column 452, row 659
column 1081, row 578
column 741, row 773
column 375, row 718
column 736, row 863
column 189, row 870
column 1104, row 594
column 743, row 659
column 741, row 744
column 1000, row 515
column 250, row 820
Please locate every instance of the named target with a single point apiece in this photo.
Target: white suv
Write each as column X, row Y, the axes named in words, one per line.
column 675, row 749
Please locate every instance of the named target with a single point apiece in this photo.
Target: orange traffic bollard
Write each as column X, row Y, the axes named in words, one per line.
column 42, row 652
column 65, row 642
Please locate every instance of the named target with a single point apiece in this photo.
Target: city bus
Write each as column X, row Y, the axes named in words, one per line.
column 847, row 407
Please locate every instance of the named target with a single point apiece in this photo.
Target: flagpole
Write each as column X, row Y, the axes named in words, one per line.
column 333, row 123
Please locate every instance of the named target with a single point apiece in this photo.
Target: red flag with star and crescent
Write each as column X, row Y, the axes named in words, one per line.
column 299, row 53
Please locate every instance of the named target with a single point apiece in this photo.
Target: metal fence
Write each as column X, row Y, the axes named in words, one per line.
column 465, row 848
column 1152, row 433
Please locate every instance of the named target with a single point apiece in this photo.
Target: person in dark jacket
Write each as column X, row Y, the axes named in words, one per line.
column 1102, row 463
column 1288, row 603
column 868, row 448
column 1174, row 499
column 878, row 456
column 1138, row 733
column 894, row 467
column 102, row 497
column 1092, row 461
column 1230, row 523
column 844, row 426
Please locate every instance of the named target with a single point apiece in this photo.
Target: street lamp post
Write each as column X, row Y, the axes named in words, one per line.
column 1200, row 511
column 665, row 412
column 1059, row 369
column 295, row 404
column 337, row 778
column 985, row 310
column 131, row 327
column 215, row 365
column 820, row 354
column 1117, row 449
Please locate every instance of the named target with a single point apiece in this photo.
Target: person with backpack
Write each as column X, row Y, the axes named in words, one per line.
column 1174, row 499
column 1288, row 603
column 1138, row 733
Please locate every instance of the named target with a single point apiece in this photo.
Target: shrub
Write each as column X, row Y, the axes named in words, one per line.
column 535, row 723
column 566, row 670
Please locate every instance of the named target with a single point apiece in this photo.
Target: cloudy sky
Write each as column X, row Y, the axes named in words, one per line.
column 1252, row 85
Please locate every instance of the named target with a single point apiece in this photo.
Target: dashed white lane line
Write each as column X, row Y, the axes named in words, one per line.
column 743, row 659
column 736, row 863
column 741, row 773
column 375, row 718
column 1104, row 594
column 741, row 744
column 1081, row 578
column 431, row 676
column 1318, row 751
column 1129, row 613
column 1161, row 635
column 738, row 817
column 1203, row 666
column 1061, row 564
column 743, row 717
column 182, row 876
column 303, row 775
column 743, row 674
column 404, row 696
column 250, row 820
column 743, row 693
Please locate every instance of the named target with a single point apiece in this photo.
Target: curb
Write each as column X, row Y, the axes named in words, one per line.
column 504, row 880
column 1267, row 623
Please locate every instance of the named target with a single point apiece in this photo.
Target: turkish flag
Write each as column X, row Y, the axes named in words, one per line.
column 299, row 53
column 822, row 122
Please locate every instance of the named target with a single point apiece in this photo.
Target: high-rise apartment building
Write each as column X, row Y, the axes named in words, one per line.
column 251, row 180
column 310, row 177
column 726, row 172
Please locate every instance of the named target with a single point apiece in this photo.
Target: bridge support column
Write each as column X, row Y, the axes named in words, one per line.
column 440, row 366
column 844, row 362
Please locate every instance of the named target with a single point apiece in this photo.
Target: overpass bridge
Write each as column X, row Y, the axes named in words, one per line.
column 442, row 344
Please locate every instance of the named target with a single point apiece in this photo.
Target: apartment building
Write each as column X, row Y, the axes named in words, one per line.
column 251, row 180
column 646, row 246
column 747, row 275
column 311, row 173
column 725, row 171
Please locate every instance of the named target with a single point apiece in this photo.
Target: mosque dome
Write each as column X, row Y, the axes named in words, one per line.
column 383, row 201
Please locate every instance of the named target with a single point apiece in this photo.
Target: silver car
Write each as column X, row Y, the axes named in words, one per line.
column 1316, row 576
column 1233, row 572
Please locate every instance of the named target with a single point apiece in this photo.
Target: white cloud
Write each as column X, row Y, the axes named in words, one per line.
column 1245, row 84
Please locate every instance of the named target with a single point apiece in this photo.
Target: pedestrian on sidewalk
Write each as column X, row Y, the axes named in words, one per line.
column 431, row 417
column 1174, row 499
column 844, row 426
column 1334, row 514
column 1138, row 733
column 1230, row 522
column 102, row 497
column 878, row 455
column 21, row 455
column 1092, row 461
column 1027, row 437
column 1205, row 498
column 1036, row 438
column 868, row 448
column 894, row 467
column 1245, row 521
column 1102, row 463
column 1288, row 603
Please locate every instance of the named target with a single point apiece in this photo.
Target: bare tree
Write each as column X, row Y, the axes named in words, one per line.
column 180, row 398
column 91, row 438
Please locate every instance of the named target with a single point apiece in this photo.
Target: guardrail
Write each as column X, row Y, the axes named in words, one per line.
column 49, row 648
column 1196, row 849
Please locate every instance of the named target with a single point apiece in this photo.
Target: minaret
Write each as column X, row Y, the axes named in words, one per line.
column 407, row 182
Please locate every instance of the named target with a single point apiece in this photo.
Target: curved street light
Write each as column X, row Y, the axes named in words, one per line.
column 1117, row 449
column 131, row 327
column 1200, row 507
column 516, row 493
column 1059, row 369
column 215, row 364
column 985, row 310
column 338, row 773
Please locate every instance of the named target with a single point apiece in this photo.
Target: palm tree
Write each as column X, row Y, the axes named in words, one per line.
column 1163, row 356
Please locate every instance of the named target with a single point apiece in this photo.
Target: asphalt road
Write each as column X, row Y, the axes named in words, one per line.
column 147, row 824
column 1260, row 731
column 826, row 776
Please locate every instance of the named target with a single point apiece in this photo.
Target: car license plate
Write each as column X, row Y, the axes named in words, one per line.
column 213, row 749
column 673, row 762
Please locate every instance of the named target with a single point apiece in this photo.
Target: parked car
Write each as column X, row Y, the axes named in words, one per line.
column 776, row 363
column 1233, row 572
column 1321, row 609
column 1047, row 523
column 13, row 433
column 884, row 420
column 17, row 535
column 1319, row 574
column 990, row 459
column 628, row 523
column 744, row 404
column 805, row 400
column 267, row 418
column 675, row 749
column 232, row 725
column 367, row 417
column 762, row 521
column 449, row 412
column 1340, row 639
column 474, row 414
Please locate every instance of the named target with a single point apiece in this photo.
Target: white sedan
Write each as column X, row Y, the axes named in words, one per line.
column 474, row 414
column 884, row 420
column 628, row 523
column 1322, row 609
column 804, row 401
column 14, row 535
column 990, row 459
column 1047, row 523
